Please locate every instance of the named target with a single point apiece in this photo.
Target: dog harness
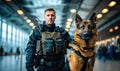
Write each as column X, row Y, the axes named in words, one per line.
column 86, row 59
column 85, row 48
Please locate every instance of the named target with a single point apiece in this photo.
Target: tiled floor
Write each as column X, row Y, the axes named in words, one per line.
column 12, row 63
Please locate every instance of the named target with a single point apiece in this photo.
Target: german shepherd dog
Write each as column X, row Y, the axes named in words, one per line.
column 81, row 57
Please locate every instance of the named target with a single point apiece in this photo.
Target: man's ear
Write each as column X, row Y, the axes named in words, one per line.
column 55, row 16
column 78, row 19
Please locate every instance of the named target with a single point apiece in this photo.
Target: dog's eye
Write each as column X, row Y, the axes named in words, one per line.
column 89, row 27
column 82, row 27
column 78, row 27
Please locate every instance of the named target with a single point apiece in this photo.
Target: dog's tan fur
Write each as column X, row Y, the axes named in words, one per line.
column 75, row 61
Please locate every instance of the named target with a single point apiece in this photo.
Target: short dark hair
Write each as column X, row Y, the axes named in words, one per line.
column 50, row 9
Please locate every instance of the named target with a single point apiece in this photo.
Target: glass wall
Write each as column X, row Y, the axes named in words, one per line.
column 12, row 36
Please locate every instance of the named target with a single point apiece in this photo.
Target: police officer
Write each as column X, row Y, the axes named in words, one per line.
column 47, row 45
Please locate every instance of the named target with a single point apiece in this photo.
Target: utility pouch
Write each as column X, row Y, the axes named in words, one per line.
column 39, row 47
column 59, row 46
column 37, row 60
column 48, row 45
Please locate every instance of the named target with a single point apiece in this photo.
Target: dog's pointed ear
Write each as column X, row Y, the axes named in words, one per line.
column 78, row 19
column 93, row 17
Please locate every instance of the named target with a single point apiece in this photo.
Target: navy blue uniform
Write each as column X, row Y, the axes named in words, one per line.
column 31, row 49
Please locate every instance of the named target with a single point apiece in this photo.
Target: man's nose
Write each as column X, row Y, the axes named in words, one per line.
column 50, row 16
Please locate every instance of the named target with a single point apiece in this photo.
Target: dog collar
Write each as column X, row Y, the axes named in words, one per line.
column 84, row 48
column 88, row 48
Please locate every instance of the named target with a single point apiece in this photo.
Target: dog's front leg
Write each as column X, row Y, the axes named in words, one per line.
column 75, row 62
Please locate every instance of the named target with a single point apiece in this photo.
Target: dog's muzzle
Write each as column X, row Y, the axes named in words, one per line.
column 86, row 35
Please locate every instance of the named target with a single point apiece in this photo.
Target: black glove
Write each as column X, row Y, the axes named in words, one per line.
column 37, row 60
column 29, row 69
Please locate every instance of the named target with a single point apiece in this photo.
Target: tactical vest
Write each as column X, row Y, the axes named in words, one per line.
column 51, row 43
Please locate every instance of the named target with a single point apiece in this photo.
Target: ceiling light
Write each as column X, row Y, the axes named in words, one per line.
column 20, row 12
column 68, row 23
column 28, row 20
column 25, row 17
column 31, row 24
column 67, row 29
column 73, row 10
column 33, row 27
column 112, row 3
column 116, row 27
column 8, row 0
column 108, row 40
column 117, row 37
column 97, row 43
column 103, row 41
column 99, row 15
column 67, row 26
column 105, row 10
column 111, row 30
column 70, row 19
column 113, row 38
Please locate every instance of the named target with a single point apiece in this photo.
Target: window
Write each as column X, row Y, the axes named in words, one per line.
column 9, row 32
column 4, row 27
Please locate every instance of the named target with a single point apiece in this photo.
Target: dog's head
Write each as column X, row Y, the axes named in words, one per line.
column 86, row 32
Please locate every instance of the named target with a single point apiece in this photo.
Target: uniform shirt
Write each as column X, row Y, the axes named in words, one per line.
column 36, row 35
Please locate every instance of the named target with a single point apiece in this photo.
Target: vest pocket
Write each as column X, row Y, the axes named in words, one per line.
column 59, row 46
column 48, row 46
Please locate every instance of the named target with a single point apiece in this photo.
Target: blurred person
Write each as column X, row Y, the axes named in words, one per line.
column 47, row 45
column 112, row 51
column 11, row 51
column 1, row 50
column 18, row 51
column 118, row 50
column 104, row 53
column 17, row 54
column 99, row 51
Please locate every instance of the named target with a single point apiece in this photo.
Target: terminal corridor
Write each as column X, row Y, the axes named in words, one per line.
column 23, row 24
column 12, row 63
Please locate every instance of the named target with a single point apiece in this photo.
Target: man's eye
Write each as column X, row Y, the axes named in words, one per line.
column 52, row 15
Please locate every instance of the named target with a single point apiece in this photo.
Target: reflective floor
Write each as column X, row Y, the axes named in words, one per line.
column 12, row 63
column 15, row 63
column 109, row 65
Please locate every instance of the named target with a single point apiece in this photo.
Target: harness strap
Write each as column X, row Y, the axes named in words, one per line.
column 84, row 58
column 78, row 53
column 85, row 48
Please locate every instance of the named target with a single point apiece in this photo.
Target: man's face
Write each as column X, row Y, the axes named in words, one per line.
column 49, row 17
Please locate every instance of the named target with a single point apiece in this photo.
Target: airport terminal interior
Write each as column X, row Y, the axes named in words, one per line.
column 19, row 17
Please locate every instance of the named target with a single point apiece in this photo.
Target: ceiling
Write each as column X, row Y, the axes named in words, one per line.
column 34, row 10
